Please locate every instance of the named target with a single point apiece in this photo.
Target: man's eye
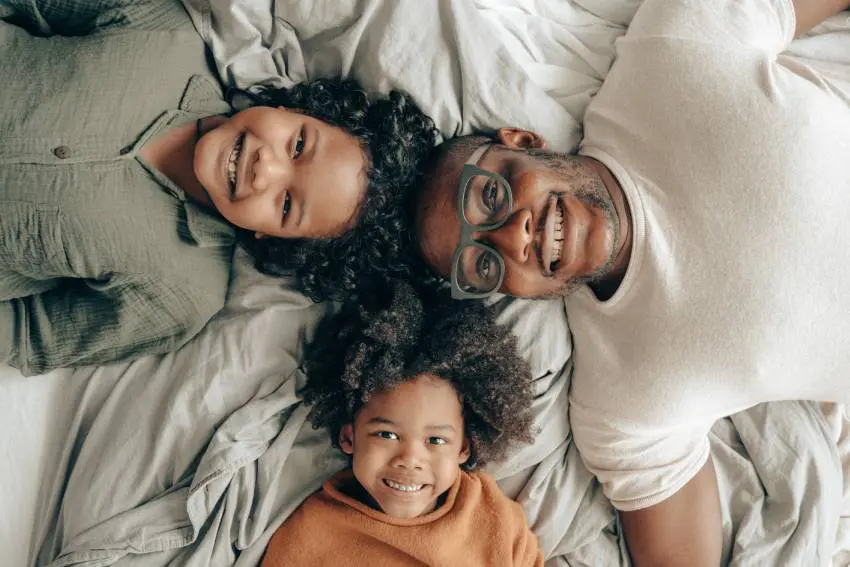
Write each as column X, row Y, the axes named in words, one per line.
column 490, row 195
column 437, row 441
column 299, row 145
column 485, row 265
column 387, row 435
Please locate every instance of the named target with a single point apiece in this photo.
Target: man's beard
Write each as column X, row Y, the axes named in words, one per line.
column 589, row 189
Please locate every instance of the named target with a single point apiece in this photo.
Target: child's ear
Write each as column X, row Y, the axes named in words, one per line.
column 465, row 452
column 346, row 439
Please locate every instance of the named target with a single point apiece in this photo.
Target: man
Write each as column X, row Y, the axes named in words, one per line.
column 700, row 235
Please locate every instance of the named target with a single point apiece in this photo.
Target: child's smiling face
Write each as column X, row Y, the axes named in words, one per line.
column 407, row 444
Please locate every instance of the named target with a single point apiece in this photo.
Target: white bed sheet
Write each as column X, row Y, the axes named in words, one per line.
column 30, row 411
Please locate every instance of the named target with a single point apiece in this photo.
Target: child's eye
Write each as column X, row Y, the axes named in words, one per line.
column 437, row 441
column 387, row 435
column 299, row 145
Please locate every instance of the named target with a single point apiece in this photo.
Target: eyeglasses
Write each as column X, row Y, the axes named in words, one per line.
column 484, row 203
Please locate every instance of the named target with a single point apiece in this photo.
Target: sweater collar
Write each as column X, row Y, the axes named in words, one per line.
column 344, row 477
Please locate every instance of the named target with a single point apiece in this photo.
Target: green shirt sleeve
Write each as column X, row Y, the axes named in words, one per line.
column 77, row 17
column 7, row 330
column 83, row 323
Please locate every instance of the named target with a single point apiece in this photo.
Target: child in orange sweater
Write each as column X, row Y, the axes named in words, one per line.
column 419, row 392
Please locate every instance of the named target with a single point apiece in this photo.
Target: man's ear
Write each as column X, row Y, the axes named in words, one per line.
column 465, row 452
column 258, row 235
column 346, row 439
column 519, row 138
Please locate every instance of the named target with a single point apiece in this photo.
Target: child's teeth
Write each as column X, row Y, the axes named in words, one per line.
column 403, row 487
column 231, row 164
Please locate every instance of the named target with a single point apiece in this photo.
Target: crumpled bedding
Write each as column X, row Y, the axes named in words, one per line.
column 194, row 458
column 459, row 69
column 170, row 462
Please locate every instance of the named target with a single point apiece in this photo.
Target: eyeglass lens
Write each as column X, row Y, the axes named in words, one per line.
column 486, row 203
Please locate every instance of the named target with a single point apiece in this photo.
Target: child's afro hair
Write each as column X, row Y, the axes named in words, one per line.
column 395, row 336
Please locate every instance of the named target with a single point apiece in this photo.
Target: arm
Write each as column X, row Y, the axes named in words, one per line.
column 812, row 12
column 684, row 530
column 82, row 323
column 68, row 17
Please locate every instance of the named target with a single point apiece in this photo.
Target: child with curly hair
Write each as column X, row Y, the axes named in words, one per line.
column 420, row 392
column 128, row 175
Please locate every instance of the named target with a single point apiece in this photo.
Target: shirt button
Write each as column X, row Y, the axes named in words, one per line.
column 125, row 150
column 62, row 152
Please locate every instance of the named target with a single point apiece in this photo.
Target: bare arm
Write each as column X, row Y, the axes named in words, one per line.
column 684, row 530
column 812, row 12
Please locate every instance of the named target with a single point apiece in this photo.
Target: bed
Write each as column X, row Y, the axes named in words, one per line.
column 195, row 457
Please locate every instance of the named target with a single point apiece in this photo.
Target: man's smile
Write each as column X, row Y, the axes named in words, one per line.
column 552, row 238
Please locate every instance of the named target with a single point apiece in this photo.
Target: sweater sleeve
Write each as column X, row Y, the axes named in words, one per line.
column 526, row 550
column 288, row 540
column 512, row 537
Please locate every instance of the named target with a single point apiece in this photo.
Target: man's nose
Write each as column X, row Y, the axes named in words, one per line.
column 514, row 238
column 269, row 171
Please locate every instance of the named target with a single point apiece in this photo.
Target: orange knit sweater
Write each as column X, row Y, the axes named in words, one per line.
column 476, row 526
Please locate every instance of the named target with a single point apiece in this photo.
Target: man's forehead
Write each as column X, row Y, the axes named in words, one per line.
column 456, row 152
column 442, row 183
column 438, row 229
column 444, row 180
column 438, row 226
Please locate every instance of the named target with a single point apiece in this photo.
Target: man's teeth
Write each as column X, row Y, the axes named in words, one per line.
column 232, row 160
column 558, row 240
column 403, row 487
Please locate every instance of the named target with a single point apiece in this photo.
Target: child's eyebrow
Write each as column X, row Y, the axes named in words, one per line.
column 445, row 427
column 384, row 421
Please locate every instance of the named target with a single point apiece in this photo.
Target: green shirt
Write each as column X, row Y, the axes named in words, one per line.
column 101, row 257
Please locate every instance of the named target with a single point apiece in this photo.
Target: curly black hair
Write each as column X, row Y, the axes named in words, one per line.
column 406, row 332
column 396, row 137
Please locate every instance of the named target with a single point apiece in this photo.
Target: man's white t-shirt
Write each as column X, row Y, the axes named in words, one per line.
column 735, row 161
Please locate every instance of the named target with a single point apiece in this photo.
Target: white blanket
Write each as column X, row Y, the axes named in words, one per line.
column 194, row 458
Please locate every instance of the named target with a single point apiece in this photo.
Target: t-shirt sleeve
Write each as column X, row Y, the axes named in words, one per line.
column 766, row 25
column 638, row 466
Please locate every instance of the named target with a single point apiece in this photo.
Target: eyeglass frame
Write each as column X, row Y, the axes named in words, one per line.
column 470, row 170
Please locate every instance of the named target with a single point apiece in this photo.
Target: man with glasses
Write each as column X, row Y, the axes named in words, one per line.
column 514, row 239
column 700, row 235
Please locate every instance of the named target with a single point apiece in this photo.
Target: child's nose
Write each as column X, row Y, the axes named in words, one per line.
column 269, row 171
column 408, row 458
